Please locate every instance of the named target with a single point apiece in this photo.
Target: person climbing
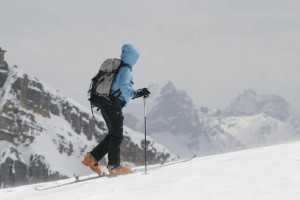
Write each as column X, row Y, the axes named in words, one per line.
column 121, row 93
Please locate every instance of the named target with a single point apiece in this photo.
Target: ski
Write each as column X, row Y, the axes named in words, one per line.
column 140, row 169
column 79, row 179
column 176, row 162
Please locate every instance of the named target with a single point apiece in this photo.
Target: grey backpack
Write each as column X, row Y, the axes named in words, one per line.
column 100, row 88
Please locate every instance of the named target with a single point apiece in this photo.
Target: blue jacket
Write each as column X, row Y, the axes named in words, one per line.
column 123, row 80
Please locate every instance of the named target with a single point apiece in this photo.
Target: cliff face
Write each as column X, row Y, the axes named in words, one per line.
column 44, row 135
column 24, row 99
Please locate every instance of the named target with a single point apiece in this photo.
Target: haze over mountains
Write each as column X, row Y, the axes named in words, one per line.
column 250, row 120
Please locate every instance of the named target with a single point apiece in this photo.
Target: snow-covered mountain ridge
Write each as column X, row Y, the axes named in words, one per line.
column 44, row 135
column 249, row 121
column 268, row 173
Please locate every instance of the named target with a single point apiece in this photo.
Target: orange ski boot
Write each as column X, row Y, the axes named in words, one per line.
column 92, row 163
column 116, row 170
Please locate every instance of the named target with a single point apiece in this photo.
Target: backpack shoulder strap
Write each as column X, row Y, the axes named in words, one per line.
column 122, row 64
column 118, row 93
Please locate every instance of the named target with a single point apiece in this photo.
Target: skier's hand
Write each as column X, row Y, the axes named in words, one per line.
column 142, row 93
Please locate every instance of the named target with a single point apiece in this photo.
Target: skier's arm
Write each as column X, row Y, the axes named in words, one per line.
column 125, row 82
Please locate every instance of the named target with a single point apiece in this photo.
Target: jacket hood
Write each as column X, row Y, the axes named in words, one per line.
column 129, row 54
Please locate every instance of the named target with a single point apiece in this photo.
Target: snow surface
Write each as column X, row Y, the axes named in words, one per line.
column 268, row 173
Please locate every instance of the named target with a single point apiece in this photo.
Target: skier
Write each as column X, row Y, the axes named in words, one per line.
column 121, row 91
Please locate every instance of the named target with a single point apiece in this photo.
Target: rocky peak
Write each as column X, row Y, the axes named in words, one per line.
column 3, row 64
column 249, row 103
column 249, row 93
column 3, row 68
column 173, row 111
column 168, row 88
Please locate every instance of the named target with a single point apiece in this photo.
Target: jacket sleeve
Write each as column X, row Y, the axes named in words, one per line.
column 125, row 81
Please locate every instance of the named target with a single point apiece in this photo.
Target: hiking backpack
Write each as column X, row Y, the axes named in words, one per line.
column 100, row 87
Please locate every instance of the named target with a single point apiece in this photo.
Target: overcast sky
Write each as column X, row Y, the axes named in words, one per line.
column 213, row 49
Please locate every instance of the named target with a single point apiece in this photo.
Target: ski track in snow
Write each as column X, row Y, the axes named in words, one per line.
column 268, row 173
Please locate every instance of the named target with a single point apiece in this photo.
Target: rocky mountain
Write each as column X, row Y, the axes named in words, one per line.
column 258, row 120
column 174, row 106
column 44, row 135
column 249, row 103
column 174, row 121
column 250, row 120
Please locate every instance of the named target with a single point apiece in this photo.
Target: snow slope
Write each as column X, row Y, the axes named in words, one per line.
column 268, row 173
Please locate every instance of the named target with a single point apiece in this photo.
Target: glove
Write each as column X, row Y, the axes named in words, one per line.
column 142, row 93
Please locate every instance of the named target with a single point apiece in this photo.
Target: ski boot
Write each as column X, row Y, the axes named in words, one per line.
column 115, row 170
column 92, row 163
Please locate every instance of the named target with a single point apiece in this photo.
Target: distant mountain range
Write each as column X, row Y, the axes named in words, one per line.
column 44, row 135
column 250, row 120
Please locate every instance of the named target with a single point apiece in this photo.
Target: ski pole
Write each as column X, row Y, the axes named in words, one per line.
column 145, row 126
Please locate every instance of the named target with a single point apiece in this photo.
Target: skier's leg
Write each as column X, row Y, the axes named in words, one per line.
column 102, row 148
column 115, row 123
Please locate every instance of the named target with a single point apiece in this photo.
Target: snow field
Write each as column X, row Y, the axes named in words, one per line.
column 268, row 173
